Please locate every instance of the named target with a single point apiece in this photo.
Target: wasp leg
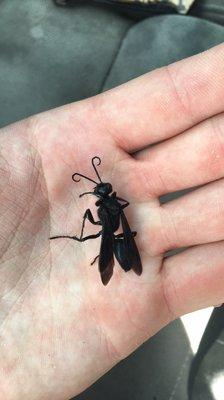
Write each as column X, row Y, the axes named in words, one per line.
column 88, row 215
column 114, row 195
column 121, row 235
column 93, row 262
column 124, row 201
column 81, row 239
column 125, row 205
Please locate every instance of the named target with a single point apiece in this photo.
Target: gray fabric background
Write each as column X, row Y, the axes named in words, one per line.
column 50, row 56
column 161, row 40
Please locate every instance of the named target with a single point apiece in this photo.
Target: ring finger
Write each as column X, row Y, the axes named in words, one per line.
column 195, row 218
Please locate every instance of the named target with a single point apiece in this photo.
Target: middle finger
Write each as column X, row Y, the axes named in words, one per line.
column 193, row 158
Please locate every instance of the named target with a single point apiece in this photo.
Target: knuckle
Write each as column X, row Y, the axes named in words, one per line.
column 181, row 92
column 169, row 292
column 216, row 144
column 169, row 231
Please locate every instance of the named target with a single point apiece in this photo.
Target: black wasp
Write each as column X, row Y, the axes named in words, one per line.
column 111, row 214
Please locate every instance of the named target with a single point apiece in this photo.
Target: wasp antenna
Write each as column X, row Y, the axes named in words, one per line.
column 96, row 165
column 82, row 176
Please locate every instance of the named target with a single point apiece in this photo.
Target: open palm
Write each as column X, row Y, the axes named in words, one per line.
column 59, row 325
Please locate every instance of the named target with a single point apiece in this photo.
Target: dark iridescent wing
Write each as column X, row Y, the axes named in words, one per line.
column 129, row 254
column 106, row 257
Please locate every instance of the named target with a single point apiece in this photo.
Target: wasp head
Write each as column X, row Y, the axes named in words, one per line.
column 103, row 189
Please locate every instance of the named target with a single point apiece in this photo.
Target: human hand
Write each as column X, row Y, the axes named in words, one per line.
column 60, row 328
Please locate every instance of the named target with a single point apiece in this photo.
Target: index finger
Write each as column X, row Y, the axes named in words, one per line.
column 165, row 102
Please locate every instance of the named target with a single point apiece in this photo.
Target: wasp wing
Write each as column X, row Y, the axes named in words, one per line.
column 126, row 250
column 106, row 257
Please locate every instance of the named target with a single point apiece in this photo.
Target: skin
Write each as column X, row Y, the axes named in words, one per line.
column 60, row 328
